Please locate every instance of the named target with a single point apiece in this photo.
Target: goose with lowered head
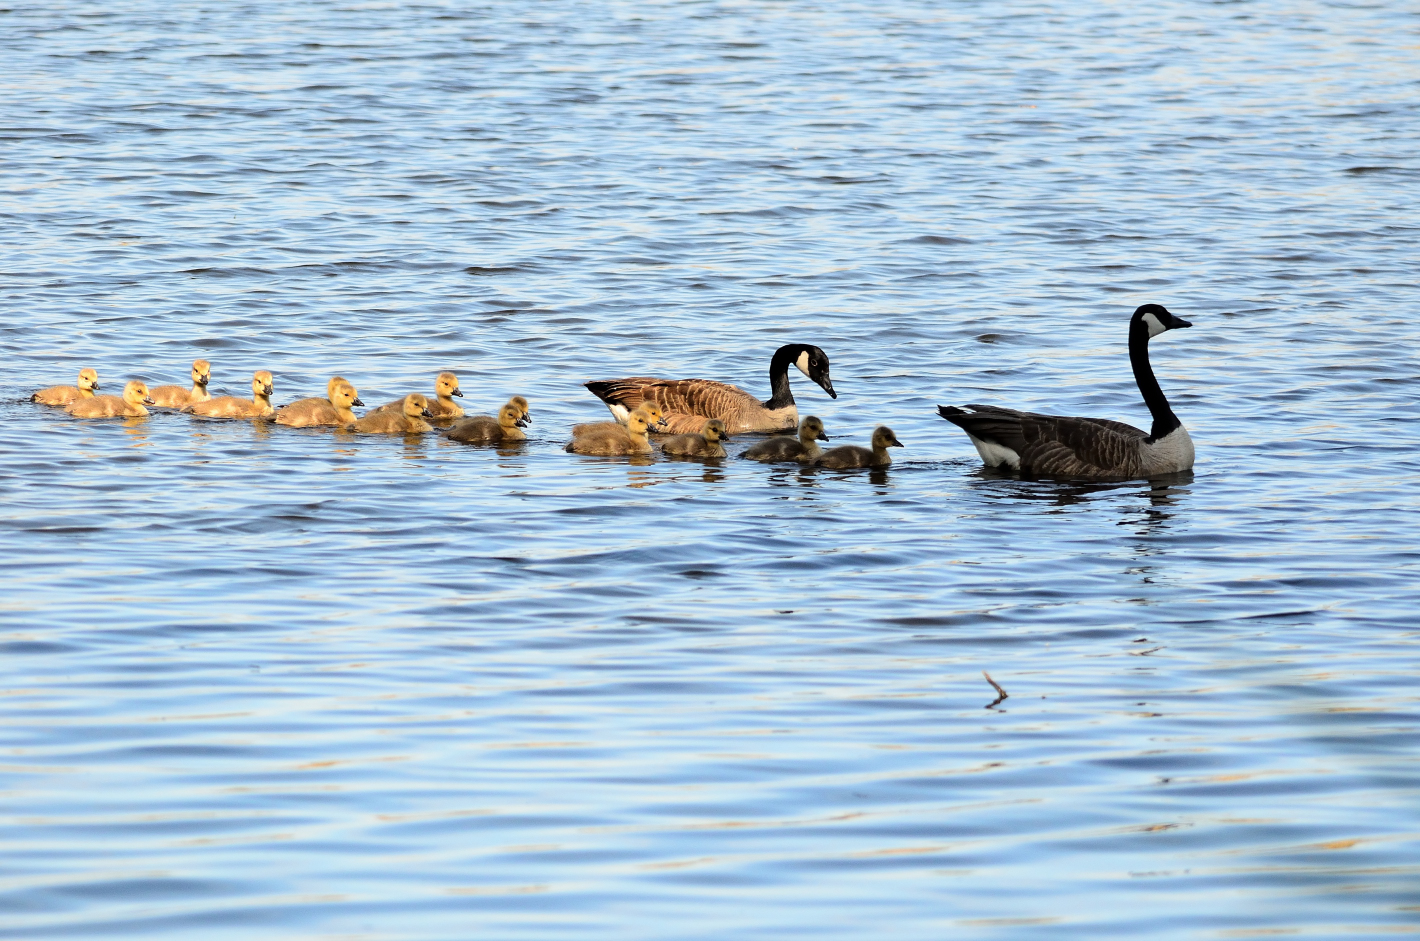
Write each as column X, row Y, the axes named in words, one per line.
column 688, row 402
column 1057, row 446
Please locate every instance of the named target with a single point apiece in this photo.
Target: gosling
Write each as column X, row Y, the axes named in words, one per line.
column 409, row 422
column 784, row 448
column 850, row 455
column 332, row 410
column 443, row 408
column 177, row 396
column 63, row 395
column 625, row 439
column 485, row 429
column 522, row 405
column 129, row 405
column 705, row 444
column 229, row 406
column 655, row 418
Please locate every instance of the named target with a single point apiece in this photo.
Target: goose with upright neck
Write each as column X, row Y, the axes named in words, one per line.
column 688, row 402
column 1056, row 446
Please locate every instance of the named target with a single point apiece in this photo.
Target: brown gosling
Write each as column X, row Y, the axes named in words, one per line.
column 850, row 455
column 443, row 408
column 784, row 448
column 409, row 422
column 63, row 395
column 485, row 429
column 655, row 418
column 619, row 439
column 332, row 410
column 229, row 406
column 177, row 396
column 129, row 405
column 705, row 444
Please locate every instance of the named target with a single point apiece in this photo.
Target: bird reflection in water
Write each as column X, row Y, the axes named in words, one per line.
column 137, row 431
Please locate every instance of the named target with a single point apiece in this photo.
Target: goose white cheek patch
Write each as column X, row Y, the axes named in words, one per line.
column 803, row 363
column 1155, row 327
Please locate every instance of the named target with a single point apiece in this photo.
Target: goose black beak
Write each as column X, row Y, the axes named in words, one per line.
column 203, row 380
column 827, row 385
column 458, row 393
column 521, row 422
column 528, row 418
column 822, row 436
column 147, row 400
column 426, row 413
column 1179, row 322
column 94, row 386
column 266, row 390
column 358, row 402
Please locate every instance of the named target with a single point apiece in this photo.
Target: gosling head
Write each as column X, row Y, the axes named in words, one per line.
column 335, row 383
column 447, row 384
column 88, row 379
column 261, row 383
column 655, row 418
column 811, row 429
column 509, row 416
column 1155, row 318
column 638, row 421
column 136, row 393
column 416, row 406
column 201, row 372
column 522, row 406
column 345, row 396
column 884, row 438
column 714, row 430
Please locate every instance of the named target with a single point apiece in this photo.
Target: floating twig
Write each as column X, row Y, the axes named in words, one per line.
column 997, row 687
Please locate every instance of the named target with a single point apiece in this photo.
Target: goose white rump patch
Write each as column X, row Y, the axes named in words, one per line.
column 995, row 455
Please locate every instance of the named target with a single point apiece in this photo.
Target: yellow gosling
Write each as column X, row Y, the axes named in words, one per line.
column 442, row 408
column 177, row 396
column 616, row 439
column 128, row 405
column 332, row 410
column 705, row 444
column 654, row 418
column 63, row 395
column 229, row 406
column 410, row 420
column 485, row 429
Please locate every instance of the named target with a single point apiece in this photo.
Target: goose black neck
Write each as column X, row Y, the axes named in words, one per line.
column 779, row 394
column 1164, row 418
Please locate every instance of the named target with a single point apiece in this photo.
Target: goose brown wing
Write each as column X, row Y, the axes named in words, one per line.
column 702, row 397
column 1084, row 447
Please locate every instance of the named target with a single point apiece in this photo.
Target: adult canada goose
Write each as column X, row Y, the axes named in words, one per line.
column 408, row 421
column 609, row 438
column 63, row 395
column 688, row 402
column 129, row 405
column 1053, row 445
column 850, row 455
column 443, row 407
column 229, row 406
column 705, row 444
column 332, row 410
column 655, row 420
column 486, row 429
column 803, row 449
column 177, row 396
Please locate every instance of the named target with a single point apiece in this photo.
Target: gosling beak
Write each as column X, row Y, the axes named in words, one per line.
column 266, row 390
column 94, row 386
column 822, row 436
column 426, row 413
column 147, row 400
column 203, row 380
column 521, row 422
column 528, row 418
column 358, row 402
column 896, row 444
column 458, row 393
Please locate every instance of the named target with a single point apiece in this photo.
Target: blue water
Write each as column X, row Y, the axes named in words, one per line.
column 261, row 682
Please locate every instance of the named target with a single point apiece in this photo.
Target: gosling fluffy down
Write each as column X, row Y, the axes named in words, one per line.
column 229, row 406
column 599, row 439
column 705, row 444
column 850, row 455
column 177, row 396
column 129, row 405
column 485, row 429
column 803, row 450
column 334, row 409
column 63, row 395
column 655, row 418
column 409, row 422
column 442, row 408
